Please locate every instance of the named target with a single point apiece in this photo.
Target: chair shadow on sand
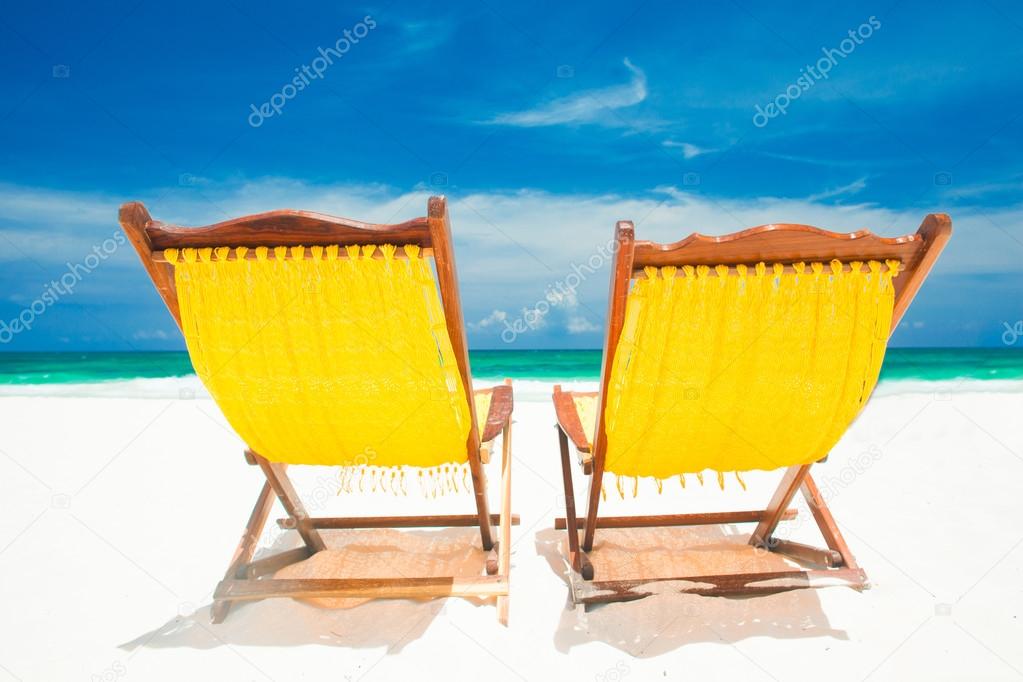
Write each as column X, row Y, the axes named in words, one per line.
column 668, row 620
column 353, row 623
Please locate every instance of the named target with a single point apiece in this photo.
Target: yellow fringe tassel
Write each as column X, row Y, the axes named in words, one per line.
column 433, row 481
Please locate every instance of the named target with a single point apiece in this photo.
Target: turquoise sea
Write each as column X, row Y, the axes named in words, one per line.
column 547, row 366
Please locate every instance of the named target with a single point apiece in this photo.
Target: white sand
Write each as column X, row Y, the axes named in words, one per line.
column 120, row 516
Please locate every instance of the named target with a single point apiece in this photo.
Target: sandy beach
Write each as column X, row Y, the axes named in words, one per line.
column 122, row 513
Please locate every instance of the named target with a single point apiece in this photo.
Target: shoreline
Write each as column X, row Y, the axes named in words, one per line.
column 527, row 390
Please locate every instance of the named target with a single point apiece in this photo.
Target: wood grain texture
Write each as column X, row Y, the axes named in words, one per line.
column 799, row 551
column 135, row 219
column 661, row 520
column 447, row 280
column 501, row 405
column 618, row 291
column 432, row 521
column 826, row 522
column 777, row 243
column 370, row 588
column 286, row 228
column 568, row 418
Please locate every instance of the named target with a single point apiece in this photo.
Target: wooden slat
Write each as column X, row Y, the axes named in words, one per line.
column 287, row 228
column 739, row 584
column 780, row 502
column 706, row 519
column 935, row 232
column 272, row 564
column 826, row 522
column 501, row 404
column 576, row 557
column 435, row 521
column 806, row 553
column 134, row 219
column 568, row 418
column 777, row 243
column 370, row 588
column 447, row 281
column 246, row 546
column 618, row 291
column 504, row 542
column 278, row 479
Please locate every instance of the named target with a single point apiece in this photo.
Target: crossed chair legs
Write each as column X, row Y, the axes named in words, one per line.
column 837, row 565
column 244, row 579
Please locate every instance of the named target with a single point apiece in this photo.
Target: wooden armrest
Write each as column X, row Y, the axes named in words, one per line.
column 568, row 419
column 501, row 404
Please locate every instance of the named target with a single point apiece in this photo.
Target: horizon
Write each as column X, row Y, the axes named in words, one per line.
column 542, row 139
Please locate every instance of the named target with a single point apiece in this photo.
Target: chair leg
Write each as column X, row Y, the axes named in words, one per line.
column 504, row 544
column 790, row 483
column 580, row 563
column 278, row 479
column 246, row 547
column 826, row 522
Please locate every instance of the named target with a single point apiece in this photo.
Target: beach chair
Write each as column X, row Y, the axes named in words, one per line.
column 751, row 351
column 324, row 342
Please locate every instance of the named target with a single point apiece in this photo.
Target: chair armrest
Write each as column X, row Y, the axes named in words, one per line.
column 501, row 404
column 568, row 419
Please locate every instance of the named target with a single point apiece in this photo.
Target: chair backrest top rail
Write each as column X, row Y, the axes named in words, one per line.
column 780, row 243
column 280, row 228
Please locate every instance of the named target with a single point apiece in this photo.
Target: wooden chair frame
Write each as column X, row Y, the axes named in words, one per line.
column 242, row 581
column 776, row 243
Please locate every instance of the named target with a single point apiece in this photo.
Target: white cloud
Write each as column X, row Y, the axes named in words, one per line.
column 514, row 243
column 688, row 150
column 149, row 335
column 587, row 106
column 578, row 324
column 424, row 35
column 494, row 318
column 852, row 188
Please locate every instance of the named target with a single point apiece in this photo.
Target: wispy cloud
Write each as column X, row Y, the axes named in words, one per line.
column 852, row 188
column 512, row 246
column 588, row 106
column 689, row 150
column 424, row 35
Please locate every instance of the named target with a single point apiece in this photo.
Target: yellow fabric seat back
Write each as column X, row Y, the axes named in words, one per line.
column 326, row 355
column 743, row 368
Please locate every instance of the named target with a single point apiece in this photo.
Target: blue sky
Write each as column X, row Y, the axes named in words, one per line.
column 543, row 123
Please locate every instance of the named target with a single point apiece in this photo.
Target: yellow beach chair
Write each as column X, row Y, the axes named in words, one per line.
column 329, row 341
column 752, row 351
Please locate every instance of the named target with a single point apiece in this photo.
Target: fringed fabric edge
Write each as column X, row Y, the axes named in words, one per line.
column 433, row 482
column 623, row 482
